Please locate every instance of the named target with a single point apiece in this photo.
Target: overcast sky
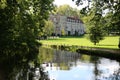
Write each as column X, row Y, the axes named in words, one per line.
column 69, row 2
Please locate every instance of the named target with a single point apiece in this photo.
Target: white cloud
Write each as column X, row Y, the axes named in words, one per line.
column 69, row 2
column 76, row 76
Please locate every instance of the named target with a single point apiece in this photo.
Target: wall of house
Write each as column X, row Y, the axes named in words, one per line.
column 70, row 25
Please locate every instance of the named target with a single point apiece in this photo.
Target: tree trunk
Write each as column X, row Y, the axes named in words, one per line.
column 94, row 43
column 119, row 44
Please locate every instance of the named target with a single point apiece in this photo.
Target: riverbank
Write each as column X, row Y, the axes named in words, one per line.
column 107, row 53
column 106, row 48
column 101, row 52
column 110, row 42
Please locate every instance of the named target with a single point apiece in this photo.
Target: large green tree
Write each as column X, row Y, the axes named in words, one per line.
column 94, row 22
column 96, row 30
column 20, row 23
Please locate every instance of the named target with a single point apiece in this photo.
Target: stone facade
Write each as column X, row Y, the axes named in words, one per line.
column 67, row 25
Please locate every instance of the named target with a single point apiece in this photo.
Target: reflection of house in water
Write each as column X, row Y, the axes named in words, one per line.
column 58, row 60
column 67, row 25
column 63, row 60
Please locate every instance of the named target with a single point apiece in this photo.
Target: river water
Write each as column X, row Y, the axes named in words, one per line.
column 65, row 65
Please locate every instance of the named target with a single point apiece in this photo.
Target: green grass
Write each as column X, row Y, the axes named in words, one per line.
column 108, row 42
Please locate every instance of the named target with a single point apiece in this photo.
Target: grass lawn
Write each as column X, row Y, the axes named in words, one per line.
column 108, row 42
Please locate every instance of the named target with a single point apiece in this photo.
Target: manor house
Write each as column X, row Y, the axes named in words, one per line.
column 67, row 25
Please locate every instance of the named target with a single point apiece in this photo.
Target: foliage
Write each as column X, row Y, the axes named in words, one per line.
column 97, row 8
column 20, row 23
column 109, row 27
column 48, row 29
column 63, row 32
column 94, row 22
column 96, row 31
column 119, row 44
column 96, row 35
column 102, row 6
column 67, row 11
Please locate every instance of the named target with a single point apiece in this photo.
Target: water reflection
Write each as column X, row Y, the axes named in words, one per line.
column 22, row 67
column 28, row 71
column 64, row 65
column 51, row 64
column 62, row 60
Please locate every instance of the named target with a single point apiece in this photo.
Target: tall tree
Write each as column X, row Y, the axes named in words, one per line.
column 20, row 23
column 94, row 21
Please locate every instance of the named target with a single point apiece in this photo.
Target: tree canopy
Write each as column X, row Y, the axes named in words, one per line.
column 20, row 24
column 104, row 8
column 67, row 11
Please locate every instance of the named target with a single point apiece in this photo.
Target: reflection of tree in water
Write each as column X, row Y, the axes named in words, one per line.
column 24, row 72
column 98, row 73
column 96, row 62
column 34, row 74
column 45, row 52
column 17, row 67
column 114, row 76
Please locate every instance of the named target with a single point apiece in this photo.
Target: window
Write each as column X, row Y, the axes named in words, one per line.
column 55, row 19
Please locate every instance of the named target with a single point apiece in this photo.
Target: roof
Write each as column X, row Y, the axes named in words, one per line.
column 75, row 18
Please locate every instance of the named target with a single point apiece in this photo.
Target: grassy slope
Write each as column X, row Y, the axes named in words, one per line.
column 108, row 42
